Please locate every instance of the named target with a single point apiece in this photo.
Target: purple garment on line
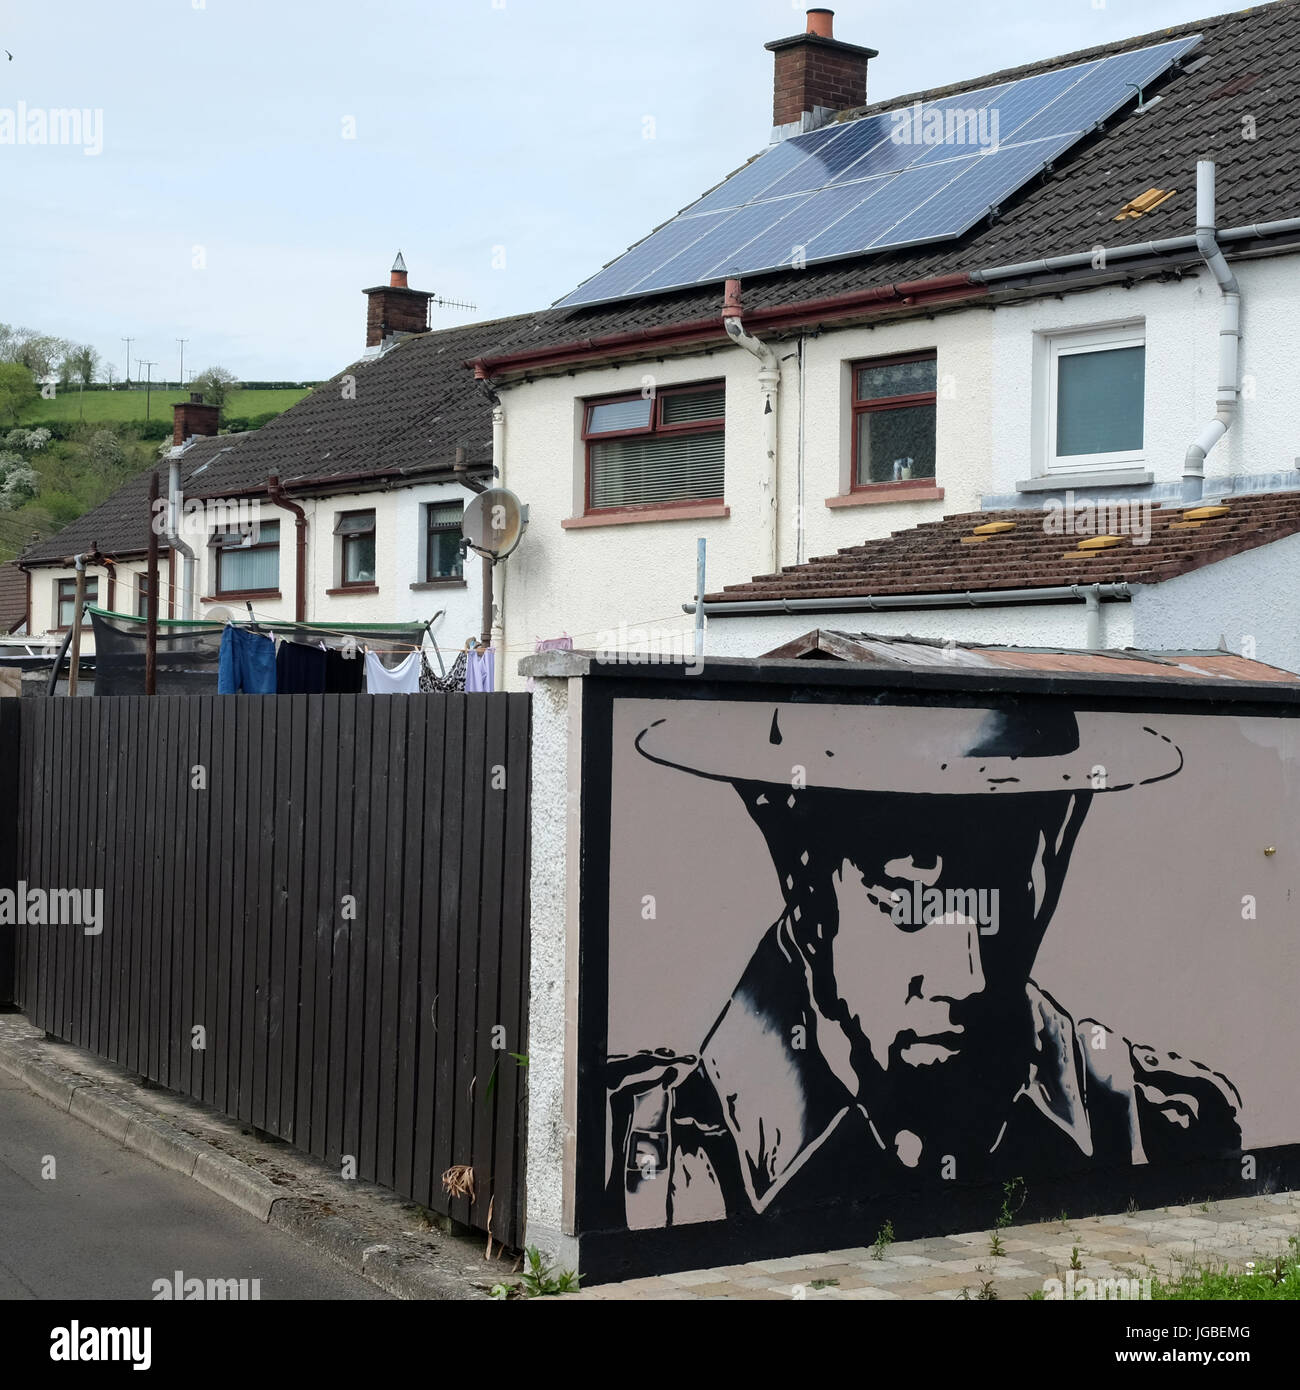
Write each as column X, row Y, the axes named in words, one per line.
column 551, row 644
column 480, row 674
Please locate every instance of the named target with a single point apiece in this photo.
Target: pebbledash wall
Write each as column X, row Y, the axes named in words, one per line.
column 401, row 593
column 617, row 584
column 741, row 1048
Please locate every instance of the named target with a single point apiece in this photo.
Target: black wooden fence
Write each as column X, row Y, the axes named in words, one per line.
column 314, row 918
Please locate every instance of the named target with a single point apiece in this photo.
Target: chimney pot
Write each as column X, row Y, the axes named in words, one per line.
column 196, row 397
column 822, row 22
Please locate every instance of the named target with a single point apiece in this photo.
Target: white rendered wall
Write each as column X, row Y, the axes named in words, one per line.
column 1181, row 326
column 612, row 585
column 1027, row 625
column 1250, row 601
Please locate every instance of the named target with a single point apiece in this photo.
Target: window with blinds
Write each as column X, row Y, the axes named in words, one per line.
column 248, row 561
column 657, row 451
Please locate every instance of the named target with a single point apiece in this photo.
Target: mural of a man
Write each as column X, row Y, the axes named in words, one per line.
column 886, row 1031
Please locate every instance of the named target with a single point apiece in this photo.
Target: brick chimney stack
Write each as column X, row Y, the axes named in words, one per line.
column 816, row 76
column 193, row 417
column 395, row 308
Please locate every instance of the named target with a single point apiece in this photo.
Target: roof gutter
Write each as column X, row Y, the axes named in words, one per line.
column 870, row 603
column 385, row 479
column 902, row 294
column 1100, row 258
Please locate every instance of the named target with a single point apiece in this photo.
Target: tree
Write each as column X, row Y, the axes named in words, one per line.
column 27, row 441
column 40, row 353
column 17, row 391
column 216, row 384
column 85, row 363
column 106, row 451
column 17, row 481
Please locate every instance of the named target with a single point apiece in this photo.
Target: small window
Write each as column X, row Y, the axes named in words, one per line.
column 66, row 599
column 356, row 532
column 248, row 561
column 1096, row 400
column 893, row 419
column 656, row 452
column 142, row 594
column 442, row 557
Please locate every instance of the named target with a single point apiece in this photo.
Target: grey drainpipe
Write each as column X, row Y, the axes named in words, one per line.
column 172, row 532
column 1092, row 598
column 1092, row 594
column 1229, row 336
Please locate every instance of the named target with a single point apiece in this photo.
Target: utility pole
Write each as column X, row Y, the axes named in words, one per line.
column 181, row 383
column 128, row 342
column 149, row 366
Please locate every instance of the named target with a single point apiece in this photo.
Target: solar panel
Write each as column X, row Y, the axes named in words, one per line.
column 906, row 177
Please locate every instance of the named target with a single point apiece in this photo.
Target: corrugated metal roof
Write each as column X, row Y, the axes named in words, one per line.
column 833, row 644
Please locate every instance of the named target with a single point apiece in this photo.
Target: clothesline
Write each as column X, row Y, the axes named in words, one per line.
column 250, row 663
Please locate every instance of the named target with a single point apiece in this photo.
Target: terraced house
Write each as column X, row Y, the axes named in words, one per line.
column 356, row 493
column 993, row 302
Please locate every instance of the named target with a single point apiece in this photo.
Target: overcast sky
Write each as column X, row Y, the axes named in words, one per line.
column 263, row 160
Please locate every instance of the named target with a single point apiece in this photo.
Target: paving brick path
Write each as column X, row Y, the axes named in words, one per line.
column 1136, row 1245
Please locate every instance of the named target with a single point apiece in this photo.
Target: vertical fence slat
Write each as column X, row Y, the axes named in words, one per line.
column 343, row 930
column 411, row 964
column 377, row 784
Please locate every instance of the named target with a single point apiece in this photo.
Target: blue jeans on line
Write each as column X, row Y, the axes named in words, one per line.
column 246, row 665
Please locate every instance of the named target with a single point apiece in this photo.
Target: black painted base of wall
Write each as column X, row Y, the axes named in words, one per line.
column 606, row 1256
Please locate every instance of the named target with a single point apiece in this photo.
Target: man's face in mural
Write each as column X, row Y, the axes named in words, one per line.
column 932, row 1001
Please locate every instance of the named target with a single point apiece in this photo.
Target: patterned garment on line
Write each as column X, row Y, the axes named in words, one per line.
column 453, row 680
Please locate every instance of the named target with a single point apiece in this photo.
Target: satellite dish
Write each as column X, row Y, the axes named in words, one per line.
column 494, row 523
column 218, row 614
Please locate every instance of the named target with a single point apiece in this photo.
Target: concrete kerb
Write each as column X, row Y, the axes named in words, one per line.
column 309, row 1221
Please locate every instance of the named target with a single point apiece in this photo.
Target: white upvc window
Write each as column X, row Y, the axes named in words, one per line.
column 1096, row 399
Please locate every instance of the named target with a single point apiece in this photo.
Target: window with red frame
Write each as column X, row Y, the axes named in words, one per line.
column 655, row 452
column 893, row 419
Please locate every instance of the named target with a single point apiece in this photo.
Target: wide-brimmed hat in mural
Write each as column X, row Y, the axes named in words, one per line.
column 929, row 749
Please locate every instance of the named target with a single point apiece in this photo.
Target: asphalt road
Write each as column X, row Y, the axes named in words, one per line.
column 110, row 1223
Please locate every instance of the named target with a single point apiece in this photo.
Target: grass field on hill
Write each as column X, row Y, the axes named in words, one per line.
column 121, row 406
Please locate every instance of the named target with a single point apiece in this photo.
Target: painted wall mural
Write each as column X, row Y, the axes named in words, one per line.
column 861, row 948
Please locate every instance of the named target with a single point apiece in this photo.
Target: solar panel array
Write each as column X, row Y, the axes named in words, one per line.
column 918, row 174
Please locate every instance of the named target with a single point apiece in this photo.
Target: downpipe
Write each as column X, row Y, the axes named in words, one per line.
column 174, row 541
column 769, row 381
column 1227, row 399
